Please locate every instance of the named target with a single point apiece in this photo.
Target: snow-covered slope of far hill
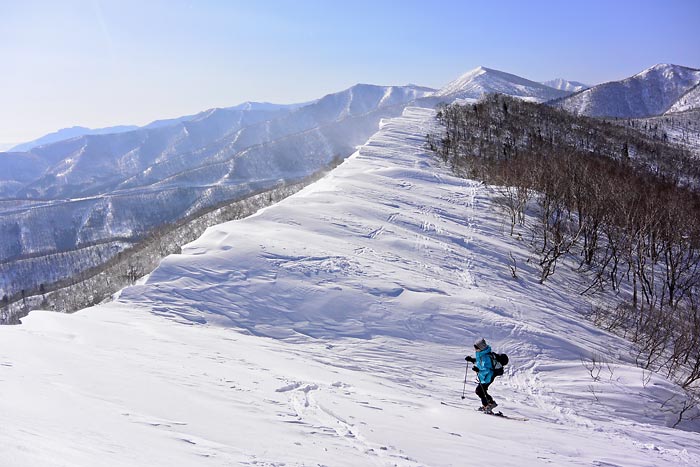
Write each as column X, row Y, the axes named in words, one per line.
column 651, row 92
column 480, row 81
column 688, row 101
column 327, row 330
column 565, row 85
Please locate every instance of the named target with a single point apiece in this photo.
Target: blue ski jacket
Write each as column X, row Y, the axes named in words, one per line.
column 485, row 365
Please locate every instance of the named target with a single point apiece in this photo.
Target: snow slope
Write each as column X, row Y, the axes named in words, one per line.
column 325, row 330
column 688, row 101
column 565, row 85
column 681, row 128
column 480, row 81
column 648, row 93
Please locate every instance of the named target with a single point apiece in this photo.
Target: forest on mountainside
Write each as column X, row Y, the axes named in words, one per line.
column 96, row 284
column 679, row 128
column 623, row 204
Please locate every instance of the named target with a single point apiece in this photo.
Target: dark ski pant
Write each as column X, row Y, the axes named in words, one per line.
column 482, row 392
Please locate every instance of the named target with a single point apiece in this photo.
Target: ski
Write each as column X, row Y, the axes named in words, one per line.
column 451, row 405
column 495, row 414
column 502, row 415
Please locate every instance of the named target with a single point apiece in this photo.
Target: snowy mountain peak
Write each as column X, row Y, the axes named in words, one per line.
column 481, row 81
column 648, row 93
column 667, row 70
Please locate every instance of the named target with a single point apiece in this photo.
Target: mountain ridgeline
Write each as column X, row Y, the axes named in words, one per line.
column 626, row 205
column 662, row 101
column 103, row 194
column 481, row 81
column 652, row 92
column 69, row 133
column 69, row 206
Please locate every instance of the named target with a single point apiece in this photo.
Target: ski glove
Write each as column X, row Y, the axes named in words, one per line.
column 475, row 368
column 469, row 358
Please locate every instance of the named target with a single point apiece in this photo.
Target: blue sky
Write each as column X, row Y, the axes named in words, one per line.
column 100, row 63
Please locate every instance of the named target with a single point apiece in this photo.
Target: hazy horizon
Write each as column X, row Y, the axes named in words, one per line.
column 101, row 63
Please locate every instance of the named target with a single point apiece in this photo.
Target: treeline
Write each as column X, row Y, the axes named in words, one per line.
column 51, row 269
column 623, row 204
column 681, row 128
column 97, row 284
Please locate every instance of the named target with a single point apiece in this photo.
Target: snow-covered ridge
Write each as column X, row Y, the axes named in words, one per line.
column 648, row 93
column 480, row 81
column 372, row 283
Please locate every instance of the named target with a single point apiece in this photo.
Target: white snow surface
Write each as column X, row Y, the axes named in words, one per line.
column 326, row 330
column 566, row 85
column 688, row 101
column 481, row 81
column 648, row 93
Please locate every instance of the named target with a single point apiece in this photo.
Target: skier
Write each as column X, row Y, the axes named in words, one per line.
column 483, row 365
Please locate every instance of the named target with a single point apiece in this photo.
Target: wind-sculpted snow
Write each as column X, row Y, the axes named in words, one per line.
column 308, row 265
column 326, row 330
column 651, row 92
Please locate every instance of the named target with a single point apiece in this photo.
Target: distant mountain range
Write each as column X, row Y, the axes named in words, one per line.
column 113, row 189
column 78, row 131
column 652, row 92
column 659, row 89
column 245, row 106
column 68, row 133
column 117, row 184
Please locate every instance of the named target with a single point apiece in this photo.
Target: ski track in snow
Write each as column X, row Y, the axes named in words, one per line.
column 326, row 330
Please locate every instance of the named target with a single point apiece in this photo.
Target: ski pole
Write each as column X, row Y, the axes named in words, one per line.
column 466, row 373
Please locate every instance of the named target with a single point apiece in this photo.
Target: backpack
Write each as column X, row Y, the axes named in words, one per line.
column 498, row 360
